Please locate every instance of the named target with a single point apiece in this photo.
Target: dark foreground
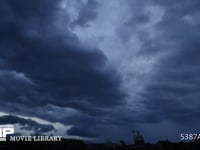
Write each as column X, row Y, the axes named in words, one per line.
column 80, row 145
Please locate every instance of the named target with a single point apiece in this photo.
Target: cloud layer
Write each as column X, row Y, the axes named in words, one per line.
column 107, row 65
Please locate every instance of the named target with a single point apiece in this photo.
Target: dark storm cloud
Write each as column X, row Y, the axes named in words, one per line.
column 87, row 13
column 67, row 73
column 173, row 90
column 46, row 72
column 138, row 16
column 27, row 124
column 41, row 65
column 82, row 131
column 179, row 7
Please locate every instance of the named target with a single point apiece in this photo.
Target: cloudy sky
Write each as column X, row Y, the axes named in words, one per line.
column 98, row 69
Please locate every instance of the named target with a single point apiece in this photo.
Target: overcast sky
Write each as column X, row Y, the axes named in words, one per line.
column 98, row 69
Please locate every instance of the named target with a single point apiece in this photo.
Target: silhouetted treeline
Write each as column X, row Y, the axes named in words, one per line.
column 71, row 144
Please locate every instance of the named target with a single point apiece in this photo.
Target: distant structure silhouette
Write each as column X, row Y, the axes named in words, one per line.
column 138, row 138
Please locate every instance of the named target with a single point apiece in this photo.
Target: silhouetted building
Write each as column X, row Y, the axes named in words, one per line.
column 138, row 138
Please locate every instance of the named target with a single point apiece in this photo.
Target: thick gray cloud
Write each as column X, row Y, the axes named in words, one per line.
column 87, row 13
column 173, row 90
column 81, row 131
column 170, row 87
column 27, row 124
column 41, row 65
column 72, row 61
column 59, row 69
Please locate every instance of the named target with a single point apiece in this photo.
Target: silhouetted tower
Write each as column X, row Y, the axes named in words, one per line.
column 138, row 138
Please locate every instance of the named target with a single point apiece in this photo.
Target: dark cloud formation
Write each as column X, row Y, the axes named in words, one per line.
column 82, row 132
column 138, row 17
column 59, row 69
column 41, row 65
column 45, row 71
column 86, row 14
column 173, row 90
column 169, row 38
column 27, row 124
